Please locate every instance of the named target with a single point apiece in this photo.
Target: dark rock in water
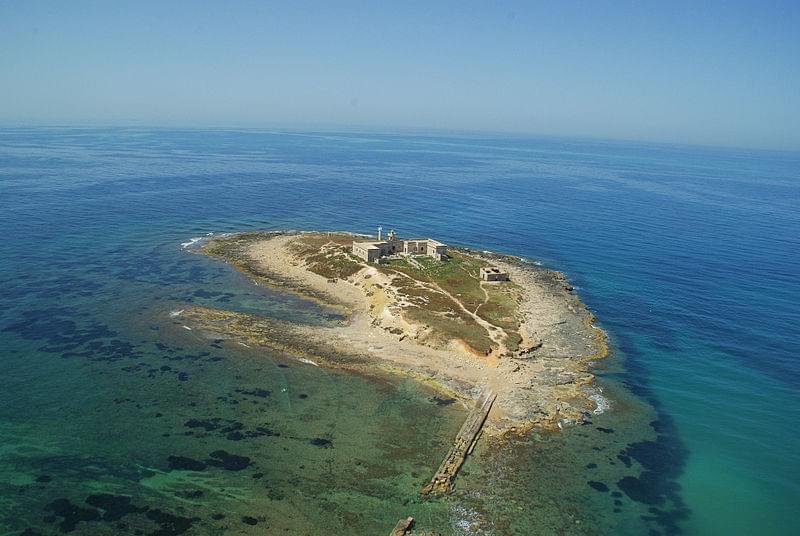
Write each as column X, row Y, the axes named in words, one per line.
column 169, row 524
column 283, row 365
column 44, row 478
column 598, row 486
column 258, row 475
column 624, row 459
column 114, row 506
column 616, row 494
column 217, row 517
column 262, row 431
column 443, row 401
column 183, row 377
column 184, row 463
column 229, row 462
column 605, row 430
column 662, row 461
column 302, row 395
column 639, row 489
column 321, row 442
column 591, row 466
column 249, row 520
column 206, row 424
column 231, row 430
column 72, row 514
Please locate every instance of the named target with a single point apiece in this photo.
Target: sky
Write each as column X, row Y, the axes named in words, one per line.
column 709, row 72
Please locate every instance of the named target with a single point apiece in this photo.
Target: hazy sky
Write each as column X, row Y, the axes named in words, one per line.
column 691, row 72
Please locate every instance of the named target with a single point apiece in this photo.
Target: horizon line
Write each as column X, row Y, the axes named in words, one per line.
column 417, row 131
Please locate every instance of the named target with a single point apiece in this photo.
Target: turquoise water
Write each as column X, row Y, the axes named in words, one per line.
column 689, row 256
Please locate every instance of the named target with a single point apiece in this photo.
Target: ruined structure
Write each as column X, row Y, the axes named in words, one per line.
column 371, row 251
column 492, row 273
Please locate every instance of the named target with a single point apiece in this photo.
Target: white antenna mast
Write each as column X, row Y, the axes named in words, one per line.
column 379, row 232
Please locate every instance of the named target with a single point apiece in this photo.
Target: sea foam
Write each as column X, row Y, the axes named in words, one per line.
column 191, row 242
column 602, row 404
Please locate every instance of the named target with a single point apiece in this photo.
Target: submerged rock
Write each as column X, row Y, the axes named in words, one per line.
column 229, row 462
column 184, row 463
column 321, row 442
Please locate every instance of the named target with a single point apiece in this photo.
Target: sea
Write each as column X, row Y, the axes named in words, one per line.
column 118, row 418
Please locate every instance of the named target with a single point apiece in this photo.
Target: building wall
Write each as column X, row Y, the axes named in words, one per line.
column 367, row 254
column 437, row 252
column 487, row 275
column 411, row 247
column 414, row 247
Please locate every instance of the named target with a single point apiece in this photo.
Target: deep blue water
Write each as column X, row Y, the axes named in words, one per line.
column 689, row 256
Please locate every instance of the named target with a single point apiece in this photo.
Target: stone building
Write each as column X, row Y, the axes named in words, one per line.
column 371, row 251
column 493, row 273
column 425, row 246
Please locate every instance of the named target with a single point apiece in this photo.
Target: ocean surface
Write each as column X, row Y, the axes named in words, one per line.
column 115, row 418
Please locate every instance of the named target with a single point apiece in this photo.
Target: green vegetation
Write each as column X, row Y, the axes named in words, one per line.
column 442, row 314
column 327, row 254
column 459, row 275
column 459, row 279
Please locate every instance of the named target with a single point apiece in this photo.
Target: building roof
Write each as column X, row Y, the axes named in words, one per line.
column 431, row 241
column 370, row 245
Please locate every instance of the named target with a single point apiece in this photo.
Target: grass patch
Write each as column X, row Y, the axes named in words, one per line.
column 459, row 275
column 327, row 254
column 501, row 307
column 437, row 310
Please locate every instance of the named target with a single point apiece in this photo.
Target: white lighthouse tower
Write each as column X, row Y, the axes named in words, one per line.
column 379, row 232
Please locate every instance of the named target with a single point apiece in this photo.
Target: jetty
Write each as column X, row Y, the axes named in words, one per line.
column 442, row 481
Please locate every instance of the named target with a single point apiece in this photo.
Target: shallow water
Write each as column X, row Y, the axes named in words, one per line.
column 113, row 415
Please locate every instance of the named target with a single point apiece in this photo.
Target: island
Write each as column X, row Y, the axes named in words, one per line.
column 494, row 331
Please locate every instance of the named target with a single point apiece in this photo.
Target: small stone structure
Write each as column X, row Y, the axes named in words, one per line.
column 493, row 273
column 372, row 251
